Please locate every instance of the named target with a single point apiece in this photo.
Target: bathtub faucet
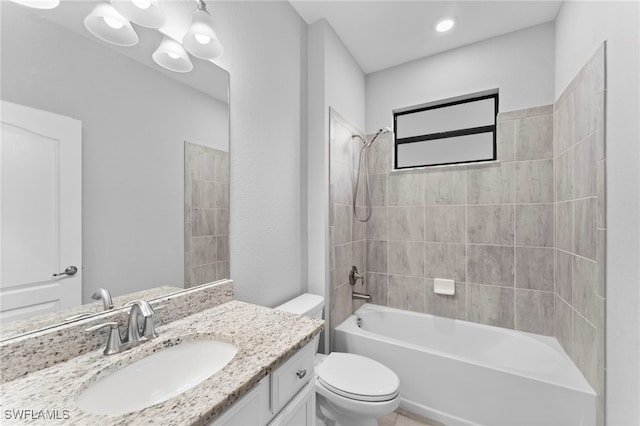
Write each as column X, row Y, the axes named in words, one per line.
column 354, row 276
column 361, row 296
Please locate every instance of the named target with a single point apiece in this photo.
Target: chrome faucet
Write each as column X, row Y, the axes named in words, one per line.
column 354, row 276
column 104, row 294
column 136, row 333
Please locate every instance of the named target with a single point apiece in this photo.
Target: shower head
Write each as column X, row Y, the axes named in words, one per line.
column 381, row 131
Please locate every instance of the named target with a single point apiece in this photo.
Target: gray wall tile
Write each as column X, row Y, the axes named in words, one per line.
column 534, row 138
column 584, row 169
column 564, row 176
column 407, row 293
column 535, row 268
column 601, row 185
column 490, row 184
column 406, row 223
column 377, row 225
column 584, row 222
column 378, row 288
column 506, row 140
column 535, row 312
column 564, row 275
column 203, row 274
column 344, row 261
column 380, row 154
column 442, row 260
column 534, row 181
column 490, row 224
column 444, row 186
column 343, row 215
column 585, row 347
column 490, row 265
column 602, row 262
column 378, row 186
column 444, row 224
column 585, row 279
column 203, row 222
column 358, row 228
column 405, row 189
column 564, row 325
column 563, row 126
column 203, row 195
column 490, row 305
column 534, row 225
column 587, row 106
column 406, row 258
column 203, row 250
column 564, row 226
column 445, row 305
column 377, row 256
column 222, row 221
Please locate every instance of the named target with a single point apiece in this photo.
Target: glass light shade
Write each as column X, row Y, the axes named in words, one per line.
column 39, row 4
column 147, row 13
column 172, row 56
column 108, row 25
column 200, row 40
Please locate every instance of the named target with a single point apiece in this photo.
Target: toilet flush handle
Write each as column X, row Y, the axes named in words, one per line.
column 301, row 373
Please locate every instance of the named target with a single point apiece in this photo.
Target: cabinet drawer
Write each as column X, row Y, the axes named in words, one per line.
column 287, row 380
column 301, row 411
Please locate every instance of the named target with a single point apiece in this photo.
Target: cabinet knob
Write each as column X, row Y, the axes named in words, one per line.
column 301, row 373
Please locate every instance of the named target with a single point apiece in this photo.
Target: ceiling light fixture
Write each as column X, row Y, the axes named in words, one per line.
column 108, row 25
column 172, row 56
column 39, row 4
column 445, row 25
column 147, row 13
column 201, row 40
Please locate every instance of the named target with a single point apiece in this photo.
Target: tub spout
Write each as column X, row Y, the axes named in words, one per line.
column 361, row 296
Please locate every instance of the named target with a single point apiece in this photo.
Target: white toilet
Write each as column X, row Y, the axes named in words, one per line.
column 350, row 389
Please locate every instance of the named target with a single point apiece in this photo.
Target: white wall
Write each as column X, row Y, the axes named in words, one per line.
column 520, row 64
column 134, row 124
column 265, row 46
column 580, row 28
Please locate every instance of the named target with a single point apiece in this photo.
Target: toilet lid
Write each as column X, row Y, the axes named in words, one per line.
column 358, row 377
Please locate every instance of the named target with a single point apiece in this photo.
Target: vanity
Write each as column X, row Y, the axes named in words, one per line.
column 269, row 380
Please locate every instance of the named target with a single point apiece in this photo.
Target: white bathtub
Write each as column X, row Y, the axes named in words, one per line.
column 463, row 373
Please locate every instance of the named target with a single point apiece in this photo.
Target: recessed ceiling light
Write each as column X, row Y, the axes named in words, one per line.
column 445, row 25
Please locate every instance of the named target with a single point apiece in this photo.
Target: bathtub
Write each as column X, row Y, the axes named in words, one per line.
column 463, row 373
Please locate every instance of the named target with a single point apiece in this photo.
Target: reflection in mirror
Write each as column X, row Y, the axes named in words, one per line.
column 150, row 218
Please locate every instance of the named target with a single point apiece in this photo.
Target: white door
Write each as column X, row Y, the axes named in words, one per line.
column 40, row 212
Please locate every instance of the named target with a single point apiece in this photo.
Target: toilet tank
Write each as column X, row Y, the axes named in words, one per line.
column 306, row 304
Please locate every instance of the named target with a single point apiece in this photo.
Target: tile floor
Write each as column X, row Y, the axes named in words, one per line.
column 403, row 418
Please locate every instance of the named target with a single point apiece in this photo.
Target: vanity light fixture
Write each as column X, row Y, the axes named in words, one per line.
column 147, row 13
column 445, row 25
column 172, row 56
column 201, row 40
column 39, row 4
column 108, row 25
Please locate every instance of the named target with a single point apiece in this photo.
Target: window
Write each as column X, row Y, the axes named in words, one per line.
column 448, row 132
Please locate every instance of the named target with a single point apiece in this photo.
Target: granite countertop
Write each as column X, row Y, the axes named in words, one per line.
column 265, row 339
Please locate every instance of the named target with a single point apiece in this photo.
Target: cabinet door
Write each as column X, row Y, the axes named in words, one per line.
column 301, row 411
column 252, row 409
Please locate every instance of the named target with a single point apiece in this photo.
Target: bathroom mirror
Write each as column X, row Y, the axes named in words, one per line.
column 147, row 229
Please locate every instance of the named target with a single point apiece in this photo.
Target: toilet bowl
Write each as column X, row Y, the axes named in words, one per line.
column 350, row 389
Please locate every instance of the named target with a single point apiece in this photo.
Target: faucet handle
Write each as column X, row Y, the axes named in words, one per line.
column 114, row 344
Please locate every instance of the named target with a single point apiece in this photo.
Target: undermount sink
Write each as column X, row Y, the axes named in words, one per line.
column 156, row 378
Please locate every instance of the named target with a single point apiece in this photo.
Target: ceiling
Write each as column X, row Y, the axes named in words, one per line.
column 205, row 77
column 382, row 34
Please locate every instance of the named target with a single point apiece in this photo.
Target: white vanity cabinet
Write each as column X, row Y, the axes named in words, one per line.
column 286, row 397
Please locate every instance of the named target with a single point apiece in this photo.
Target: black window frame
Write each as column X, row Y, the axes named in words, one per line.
column 449, row 134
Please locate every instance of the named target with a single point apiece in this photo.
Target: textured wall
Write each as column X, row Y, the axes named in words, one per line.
column 579, row 152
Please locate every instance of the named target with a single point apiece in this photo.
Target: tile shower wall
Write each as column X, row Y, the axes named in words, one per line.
column 579, row 153
column 489, row 227
column 347, row 235
column 206, row 215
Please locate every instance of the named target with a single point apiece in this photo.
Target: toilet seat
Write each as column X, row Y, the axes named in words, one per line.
column 357, row 377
